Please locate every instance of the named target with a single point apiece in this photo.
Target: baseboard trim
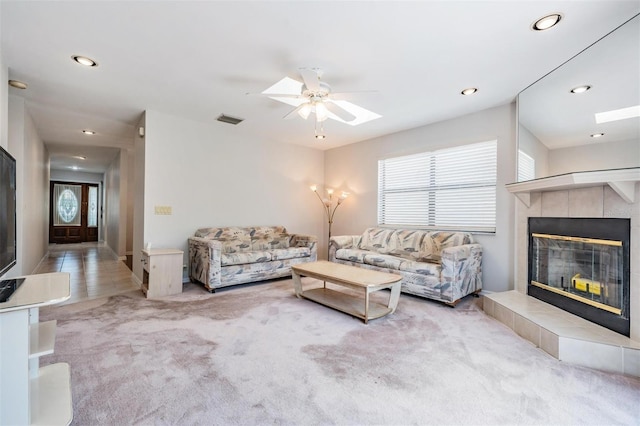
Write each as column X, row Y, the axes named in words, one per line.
column 45, row 257
column 136, row 280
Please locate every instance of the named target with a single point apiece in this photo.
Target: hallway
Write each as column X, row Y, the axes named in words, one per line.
column 95, row 271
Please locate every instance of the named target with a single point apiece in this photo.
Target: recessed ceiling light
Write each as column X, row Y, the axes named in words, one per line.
column 320, row 136
column 17, row 84
column 597, row 135
column 79, row 157
column 88, row 132
column 546, row 22
column 469, row 91
column 580, row 89
column 618, row 114
column 83, row 60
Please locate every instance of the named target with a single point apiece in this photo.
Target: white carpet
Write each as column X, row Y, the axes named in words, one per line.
column 256, row 354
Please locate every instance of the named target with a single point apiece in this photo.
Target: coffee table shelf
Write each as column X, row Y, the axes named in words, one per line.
column 346, row 303
column 363, row 281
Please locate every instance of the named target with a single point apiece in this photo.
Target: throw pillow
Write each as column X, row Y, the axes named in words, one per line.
column 378, row 240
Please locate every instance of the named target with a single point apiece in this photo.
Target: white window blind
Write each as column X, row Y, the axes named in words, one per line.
column 526, row 166
column 452, row 188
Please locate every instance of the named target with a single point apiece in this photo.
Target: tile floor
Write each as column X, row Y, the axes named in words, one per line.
column 95, row 270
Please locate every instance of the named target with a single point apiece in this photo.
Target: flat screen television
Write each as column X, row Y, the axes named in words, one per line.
column 7, row 211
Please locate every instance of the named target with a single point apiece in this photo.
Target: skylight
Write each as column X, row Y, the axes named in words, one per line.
column 618, row 114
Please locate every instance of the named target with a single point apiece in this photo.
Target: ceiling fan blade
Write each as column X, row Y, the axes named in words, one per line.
column 275, row 95
column 311, row 79
column 362, row 115
column 344, row 96
column 294, row 112
column 337, row 110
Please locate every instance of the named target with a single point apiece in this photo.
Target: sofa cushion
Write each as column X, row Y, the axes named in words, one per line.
column 269, row 242
column 410, row 240
column 290, row 253
column 227, row 259
column 378, row 240
column 446, row 239
column 417, row 256
column 352, row 255
column 234, row 239
column 383, row 260
column 422, row 268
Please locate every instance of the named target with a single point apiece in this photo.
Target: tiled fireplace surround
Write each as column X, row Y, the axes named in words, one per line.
column 559, row 333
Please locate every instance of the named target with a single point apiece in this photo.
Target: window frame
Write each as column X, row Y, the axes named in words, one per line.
column 459, row 179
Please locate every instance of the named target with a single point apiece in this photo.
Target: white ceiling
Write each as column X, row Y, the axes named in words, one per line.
column 611, row 67
column 199, row 59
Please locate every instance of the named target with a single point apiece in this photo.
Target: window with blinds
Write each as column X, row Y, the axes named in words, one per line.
column 453, row 189
column 526, row 166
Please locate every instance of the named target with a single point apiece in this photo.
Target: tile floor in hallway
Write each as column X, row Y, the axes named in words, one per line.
column 94, row 270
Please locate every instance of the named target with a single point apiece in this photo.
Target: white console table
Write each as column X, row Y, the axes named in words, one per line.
column 30, row 394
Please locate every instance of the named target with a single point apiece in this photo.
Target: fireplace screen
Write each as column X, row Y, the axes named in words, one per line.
column 584, row 269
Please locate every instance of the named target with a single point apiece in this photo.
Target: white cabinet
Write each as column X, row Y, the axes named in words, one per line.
column 161, row 272
column 30, row 394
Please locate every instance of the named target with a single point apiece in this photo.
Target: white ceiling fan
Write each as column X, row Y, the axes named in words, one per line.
column 315, row 96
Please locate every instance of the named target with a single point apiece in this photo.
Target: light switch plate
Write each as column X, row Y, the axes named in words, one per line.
column 163, row 210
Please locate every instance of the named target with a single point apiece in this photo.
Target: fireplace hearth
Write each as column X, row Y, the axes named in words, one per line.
column 581, row 265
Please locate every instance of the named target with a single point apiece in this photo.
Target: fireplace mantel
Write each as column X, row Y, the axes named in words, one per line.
column 622, row 181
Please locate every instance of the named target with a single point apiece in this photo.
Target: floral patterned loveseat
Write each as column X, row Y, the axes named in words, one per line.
column 220, row 257
column 440, row 265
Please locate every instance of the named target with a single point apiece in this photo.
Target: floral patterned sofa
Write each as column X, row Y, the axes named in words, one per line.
column 440, row 265
column 220, row 257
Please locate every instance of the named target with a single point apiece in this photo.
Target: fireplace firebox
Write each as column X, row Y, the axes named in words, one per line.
column 581, row 265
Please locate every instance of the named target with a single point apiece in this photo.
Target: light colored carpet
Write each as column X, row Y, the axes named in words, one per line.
column 256, row 355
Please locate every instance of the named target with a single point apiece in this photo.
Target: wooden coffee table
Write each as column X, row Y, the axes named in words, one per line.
column 352, row 277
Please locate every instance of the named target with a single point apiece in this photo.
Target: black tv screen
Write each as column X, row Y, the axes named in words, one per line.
column 7, row 211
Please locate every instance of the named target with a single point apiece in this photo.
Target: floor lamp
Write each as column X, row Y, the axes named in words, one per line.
column 329, row 207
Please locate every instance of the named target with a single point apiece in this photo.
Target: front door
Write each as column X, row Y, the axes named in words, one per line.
column 73, row 216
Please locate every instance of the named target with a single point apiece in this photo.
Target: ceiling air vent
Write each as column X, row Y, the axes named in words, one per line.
column 228, row 119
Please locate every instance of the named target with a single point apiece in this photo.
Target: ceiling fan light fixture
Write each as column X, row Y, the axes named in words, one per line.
column 322, row 113
column 546, row 22
column 305, row 111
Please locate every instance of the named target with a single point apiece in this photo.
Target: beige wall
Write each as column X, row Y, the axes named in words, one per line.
column 138, row 200
column 532, row 146
column 599, row 156
column 354, row 168
column 4, row 98
column 115, row 208
column 32, row 175
column 32, row 195
column 210, row 174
